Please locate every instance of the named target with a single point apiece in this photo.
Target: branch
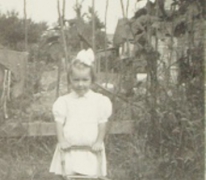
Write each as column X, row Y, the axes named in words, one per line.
column 83, row 38
column 122, row 6
column 63, row 10
column 118, row 96
column 127, row 8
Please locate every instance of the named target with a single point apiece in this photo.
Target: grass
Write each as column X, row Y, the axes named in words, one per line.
column 28, row 158
column 25, row 158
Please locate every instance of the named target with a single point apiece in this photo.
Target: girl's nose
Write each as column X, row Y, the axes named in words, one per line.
column 80, row 83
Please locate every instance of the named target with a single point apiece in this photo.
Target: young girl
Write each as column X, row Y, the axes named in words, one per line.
column 81, row 118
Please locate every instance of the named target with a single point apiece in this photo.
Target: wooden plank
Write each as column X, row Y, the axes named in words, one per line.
column 49, row 129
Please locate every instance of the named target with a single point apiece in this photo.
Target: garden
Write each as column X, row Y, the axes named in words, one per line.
column 152, row 70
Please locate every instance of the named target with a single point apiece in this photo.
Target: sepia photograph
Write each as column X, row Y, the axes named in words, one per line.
column 102, row 89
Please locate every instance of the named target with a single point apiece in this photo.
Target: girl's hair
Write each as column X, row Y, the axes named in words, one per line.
column 80, row 65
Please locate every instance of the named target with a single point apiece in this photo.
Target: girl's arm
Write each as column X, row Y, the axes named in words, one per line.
column 100, row 138
column 60, row 136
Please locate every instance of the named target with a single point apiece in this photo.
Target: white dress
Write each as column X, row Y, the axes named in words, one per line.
column 80, row 117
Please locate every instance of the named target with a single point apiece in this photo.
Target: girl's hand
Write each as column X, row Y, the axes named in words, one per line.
column 97, row 146
column 64, row 145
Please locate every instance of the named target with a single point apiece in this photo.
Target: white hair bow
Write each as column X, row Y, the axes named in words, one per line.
column 86, row 57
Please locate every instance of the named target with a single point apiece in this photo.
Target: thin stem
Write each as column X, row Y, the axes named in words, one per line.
column 122, row 6
column 9, row 86
column 25, row 27
column 63, row 36
column 58, row 79
column 4, row 85
column 127, row 10
column 171, row 52
column 93, row 30
column 105, row 41
column 63, row 9
column 4, row 94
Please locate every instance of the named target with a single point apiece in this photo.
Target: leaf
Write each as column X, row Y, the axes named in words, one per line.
column 136, row 26
column 176, row 130
column 139, row 36
column 157, row 25
column 192, row 10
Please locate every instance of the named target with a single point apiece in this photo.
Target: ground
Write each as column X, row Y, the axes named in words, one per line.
column 28, row 158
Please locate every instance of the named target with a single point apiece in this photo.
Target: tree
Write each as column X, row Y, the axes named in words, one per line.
column 12, row 32
column 98, row 24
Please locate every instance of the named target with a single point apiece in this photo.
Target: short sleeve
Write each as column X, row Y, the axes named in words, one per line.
column 105, row 109
column 59, row 110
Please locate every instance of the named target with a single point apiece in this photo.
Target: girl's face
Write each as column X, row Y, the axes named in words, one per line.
column 81, row 80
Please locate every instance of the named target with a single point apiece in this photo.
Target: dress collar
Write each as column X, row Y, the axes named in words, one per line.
column 86, row 95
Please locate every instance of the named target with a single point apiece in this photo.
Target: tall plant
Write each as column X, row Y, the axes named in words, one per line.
column 172, row 124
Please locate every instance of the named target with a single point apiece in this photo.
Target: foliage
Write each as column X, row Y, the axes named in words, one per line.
column 26, row 158
column 170, row 127
column 12, row 36
column 98, row 24
column 168, row 143
column 78, row 32
column 12, row 31
column 81, row 31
